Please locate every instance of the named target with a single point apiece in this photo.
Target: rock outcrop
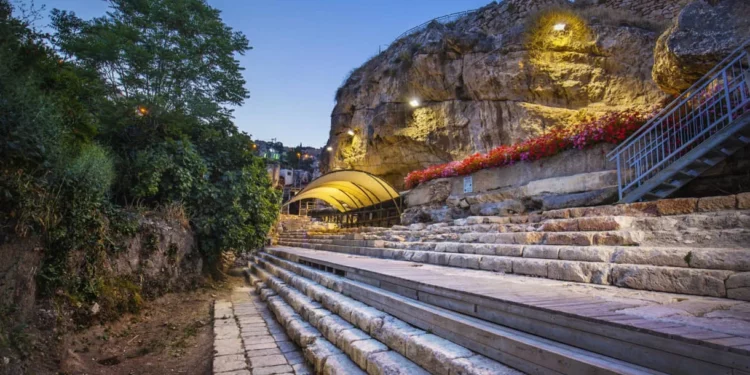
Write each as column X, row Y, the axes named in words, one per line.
column 492, row 77
column 701, row 36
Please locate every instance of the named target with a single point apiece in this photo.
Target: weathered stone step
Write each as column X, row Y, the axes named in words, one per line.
column 339, row 315
column 698, row 337
column 710, row 211
column 704, row 282
column 325, row 357
column 607, row 238
column 682, row 223
column 526, row 352
column 730, row 237
column 369, row 354
column 663, row 207
column 732, row 259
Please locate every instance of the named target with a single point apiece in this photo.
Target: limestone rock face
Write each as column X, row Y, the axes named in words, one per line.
column 701, row 36
column 495, row 76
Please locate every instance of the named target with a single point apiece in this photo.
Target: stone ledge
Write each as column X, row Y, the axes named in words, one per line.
column 674, row 276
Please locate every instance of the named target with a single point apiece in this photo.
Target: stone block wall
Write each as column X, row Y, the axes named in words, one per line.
column 572, row 178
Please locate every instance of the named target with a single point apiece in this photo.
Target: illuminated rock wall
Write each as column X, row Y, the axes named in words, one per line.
column 494, row 77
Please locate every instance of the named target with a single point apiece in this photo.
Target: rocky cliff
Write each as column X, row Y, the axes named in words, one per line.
column 494, row 76
column 700, row 37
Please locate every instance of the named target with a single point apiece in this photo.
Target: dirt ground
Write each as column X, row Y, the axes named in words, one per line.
column 171, row 335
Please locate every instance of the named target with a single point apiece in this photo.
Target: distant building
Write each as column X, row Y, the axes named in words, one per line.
column 273, row 151
column 297, row 178
column 285, row 172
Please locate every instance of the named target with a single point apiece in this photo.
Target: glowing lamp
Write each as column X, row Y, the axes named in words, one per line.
column 350, row 132
column 414, row 102
column 559, row 27
column 329, row 148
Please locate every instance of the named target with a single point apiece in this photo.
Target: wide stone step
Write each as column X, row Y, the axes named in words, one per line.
column 732, row 259
column 704, row 282
column 610, row 219
column 525, row 352
column 325, row 357
column 367, row 353
column 607, row 238
column 673, row 333
column 689, row 237
column 352, row 325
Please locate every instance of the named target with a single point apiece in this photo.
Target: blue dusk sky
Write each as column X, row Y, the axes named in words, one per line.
column 302, row 50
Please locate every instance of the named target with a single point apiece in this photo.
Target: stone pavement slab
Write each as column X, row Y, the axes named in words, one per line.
column 248, row 341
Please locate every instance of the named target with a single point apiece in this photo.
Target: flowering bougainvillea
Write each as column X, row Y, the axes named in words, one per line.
column 613, row 127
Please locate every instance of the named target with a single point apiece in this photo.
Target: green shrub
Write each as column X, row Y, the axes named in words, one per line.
column 166, row 172
column 90, row 175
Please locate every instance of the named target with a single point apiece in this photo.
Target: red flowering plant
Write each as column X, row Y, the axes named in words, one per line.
column 613, row 127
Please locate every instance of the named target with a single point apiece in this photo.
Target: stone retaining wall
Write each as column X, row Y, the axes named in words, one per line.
column 573, row 178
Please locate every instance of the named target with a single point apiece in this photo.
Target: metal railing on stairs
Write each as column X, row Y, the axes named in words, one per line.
column 697, row 130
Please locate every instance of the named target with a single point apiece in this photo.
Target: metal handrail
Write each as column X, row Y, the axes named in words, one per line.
column 710, row 105
column 687, row 93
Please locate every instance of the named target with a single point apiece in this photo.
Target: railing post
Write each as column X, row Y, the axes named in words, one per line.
column 619, row 176
column 726, row 94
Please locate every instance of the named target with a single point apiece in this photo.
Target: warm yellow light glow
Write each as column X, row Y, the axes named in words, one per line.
column 350, row 132
column 255, row 146
column 141, row 111
column 414, row 102
column 559, row 27
column 298, row 155
column 329, row 148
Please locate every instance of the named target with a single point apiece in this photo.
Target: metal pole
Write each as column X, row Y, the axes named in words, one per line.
column 726, row 94
column 619, row 176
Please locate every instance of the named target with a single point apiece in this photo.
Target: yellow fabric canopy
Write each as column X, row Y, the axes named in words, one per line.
column 348, row 190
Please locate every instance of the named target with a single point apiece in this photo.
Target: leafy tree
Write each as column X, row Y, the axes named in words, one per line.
column 136, row 109
column 168, row 55
column 171, row 74
column 47, row 122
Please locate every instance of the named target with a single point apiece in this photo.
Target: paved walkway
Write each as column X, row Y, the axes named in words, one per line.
column 249, row 341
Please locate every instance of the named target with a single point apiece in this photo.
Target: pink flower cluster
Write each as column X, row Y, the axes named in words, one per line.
column 613, row 127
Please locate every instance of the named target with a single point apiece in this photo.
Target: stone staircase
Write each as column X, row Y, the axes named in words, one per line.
column 621, row 289
column 690, row 246
column 341, row 335
column 382, row 333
